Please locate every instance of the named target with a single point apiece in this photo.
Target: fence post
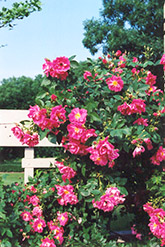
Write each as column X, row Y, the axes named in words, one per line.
column 28, row 171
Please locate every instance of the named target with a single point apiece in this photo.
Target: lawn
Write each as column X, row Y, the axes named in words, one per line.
column 12, row 177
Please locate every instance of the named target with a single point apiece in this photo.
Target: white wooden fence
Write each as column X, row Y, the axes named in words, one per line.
column 8, row 118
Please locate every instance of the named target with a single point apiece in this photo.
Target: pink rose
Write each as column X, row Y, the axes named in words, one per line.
column 138, row 151
column 78, row 116
column 26, row 216
column 115, row 83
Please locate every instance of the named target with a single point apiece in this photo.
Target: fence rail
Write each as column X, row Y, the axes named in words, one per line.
column 8, row 119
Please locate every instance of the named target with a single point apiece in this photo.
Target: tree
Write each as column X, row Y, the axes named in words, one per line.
column 127, row 25
column 19, row 92
column 17, row 12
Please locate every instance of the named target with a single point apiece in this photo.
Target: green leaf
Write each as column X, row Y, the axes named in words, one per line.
column 96, row 192
column 6, row 244
column 43, row 134
column 94, row 117
column 123, row 190
column 84, row 192
column 72, row 57
column 83, row 170
column 46, row 82
column 2, row 216
column 91, row 105
column 148, row 63
column 9, row 233
column 74, row 64
column 156, row 138
column 39, row 102
column 52, row 138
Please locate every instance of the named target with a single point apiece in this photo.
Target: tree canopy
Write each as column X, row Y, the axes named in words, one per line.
column 18, row 11
column 19, row 93
column 126, row 25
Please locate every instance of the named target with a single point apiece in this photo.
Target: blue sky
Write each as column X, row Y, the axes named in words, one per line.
column 57, row 30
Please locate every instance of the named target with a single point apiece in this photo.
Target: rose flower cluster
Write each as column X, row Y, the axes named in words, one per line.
column 57, row 68
column 33, row 212
column 77, row 133
column 28, row 138
column 108, row 201
column 157, row 221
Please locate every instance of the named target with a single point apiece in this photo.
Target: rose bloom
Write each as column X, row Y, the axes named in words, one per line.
column 122, row 62
column 26, row 216
column 125, row 109
column 115, row 83
column 104, row 61
column 63, row 218
column 159, row 156
column 37, row 211
column 38, row 115
column 38, row 225
column 75, row 147
column 148, row 143
column 135, row 60
column 76, row 131
column 33, row 189
column 57, row 68
column 61, row 64
column 108, row 201
column 138, row 151
column 34, row 200
column 57, row 115
column 53, row 97
column 78, row 116
column 67, row 171
column 135, row 71
column 150, row 79
column 141, row 121
column 47, row 243
column 87, row 134
column 162, row 61
column 137, row 106
column 88, row 74
column 30, row 140
column 117, row 70
column 118, row 53
column 18, row 133
column 67, row 195
column 59, row 237
column 103, row 152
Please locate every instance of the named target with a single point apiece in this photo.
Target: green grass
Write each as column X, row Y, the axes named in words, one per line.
column 9, row 178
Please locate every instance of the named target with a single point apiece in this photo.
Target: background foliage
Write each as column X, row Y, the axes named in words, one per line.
column 126, row 25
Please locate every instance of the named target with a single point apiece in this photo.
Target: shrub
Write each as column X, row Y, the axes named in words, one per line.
column 109, row 122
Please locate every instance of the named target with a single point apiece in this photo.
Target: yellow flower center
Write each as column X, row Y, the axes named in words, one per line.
column 115, row 83
column 76, row 130
column 66, row 192
column 56, row 231
column 77, row 116
column 150, row 89
column 62, row 218
column 39, row 225
column 155, row 225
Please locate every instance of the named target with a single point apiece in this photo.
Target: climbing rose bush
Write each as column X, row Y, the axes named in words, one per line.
column 107, row 116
